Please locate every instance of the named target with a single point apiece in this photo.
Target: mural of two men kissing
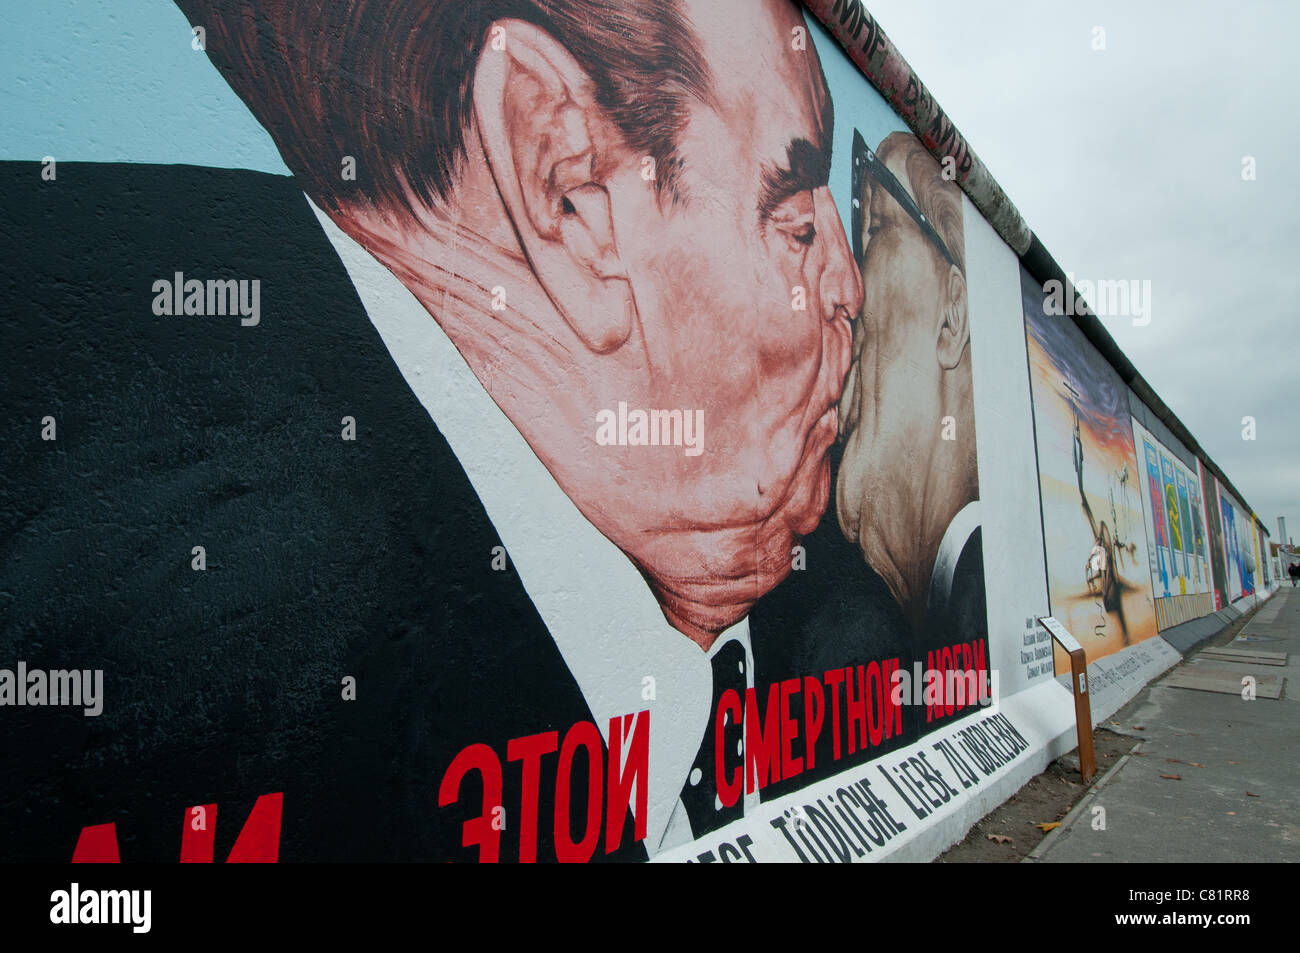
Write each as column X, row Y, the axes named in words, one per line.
column 509, row 222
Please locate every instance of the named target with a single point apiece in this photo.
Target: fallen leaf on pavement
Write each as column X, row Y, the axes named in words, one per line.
column 1172, row 777
column 1196, row 764
column 1000, row 839
column 1139, row 728
column 1250, row 794
column 1048, row 826
column 1232, row 813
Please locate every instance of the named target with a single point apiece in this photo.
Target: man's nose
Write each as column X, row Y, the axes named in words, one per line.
column 841, row 282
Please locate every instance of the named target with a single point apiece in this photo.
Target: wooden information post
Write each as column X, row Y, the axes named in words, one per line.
column 1079, row 685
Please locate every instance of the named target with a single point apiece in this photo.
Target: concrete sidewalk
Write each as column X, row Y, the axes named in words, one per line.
column 1238, row 760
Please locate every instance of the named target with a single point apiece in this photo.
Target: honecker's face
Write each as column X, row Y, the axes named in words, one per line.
column 894, row 343
column 744, row 294
column 895, row 379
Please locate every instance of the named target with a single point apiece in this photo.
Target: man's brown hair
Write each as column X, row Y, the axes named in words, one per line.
column 388, row 82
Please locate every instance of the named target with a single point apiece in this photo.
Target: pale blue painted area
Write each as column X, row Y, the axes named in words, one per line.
column 118, row 81
column 857, row 106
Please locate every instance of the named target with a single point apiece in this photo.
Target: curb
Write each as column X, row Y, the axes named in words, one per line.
column 1046, row 843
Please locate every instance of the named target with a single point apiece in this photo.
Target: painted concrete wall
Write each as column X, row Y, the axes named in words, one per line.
column 1177, row 543
column 1240, row 543
column 1088, row 480
column 450, row 436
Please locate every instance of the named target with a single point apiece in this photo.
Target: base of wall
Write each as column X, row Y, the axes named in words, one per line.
column 1175, row 610
column 1115, row 680
column 908, row 805
column 1048, row 712
column 913, row 804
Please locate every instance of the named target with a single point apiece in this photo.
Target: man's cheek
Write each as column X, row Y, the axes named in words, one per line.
column 793, row 332
column 816, row 496
column 785, row 277
column 682, row 311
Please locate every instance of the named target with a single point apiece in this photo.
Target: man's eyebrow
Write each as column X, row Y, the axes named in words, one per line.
column 807, row 167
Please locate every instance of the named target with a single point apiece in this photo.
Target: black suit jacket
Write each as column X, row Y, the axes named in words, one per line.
column 961, row 620
column 326, row 558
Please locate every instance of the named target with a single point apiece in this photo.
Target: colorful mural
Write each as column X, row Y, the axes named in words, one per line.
column 1172, row 511
column 546, row 431
column 1239, row 546
column 1091, row 488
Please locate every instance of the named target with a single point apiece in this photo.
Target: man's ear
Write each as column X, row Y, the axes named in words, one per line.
column 549, row 148
column 954, row 327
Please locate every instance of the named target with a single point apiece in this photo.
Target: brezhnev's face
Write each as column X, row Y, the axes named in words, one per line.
column 745, row 295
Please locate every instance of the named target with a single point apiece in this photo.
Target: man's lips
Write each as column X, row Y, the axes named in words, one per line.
column 832, row 417
column 828, row 421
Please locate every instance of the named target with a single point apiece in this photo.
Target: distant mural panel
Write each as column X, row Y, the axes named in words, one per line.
column 1214, row 524
column 1092, row 487
column 1177, row 546
column 1239, row 545
column 1261, row 548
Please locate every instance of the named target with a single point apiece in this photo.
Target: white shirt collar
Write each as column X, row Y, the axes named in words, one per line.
column 603, row 617
column 954, row 540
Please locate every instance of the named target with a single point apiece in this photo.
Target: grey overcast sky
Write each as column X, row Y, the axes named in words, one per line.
column 1128, row 164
